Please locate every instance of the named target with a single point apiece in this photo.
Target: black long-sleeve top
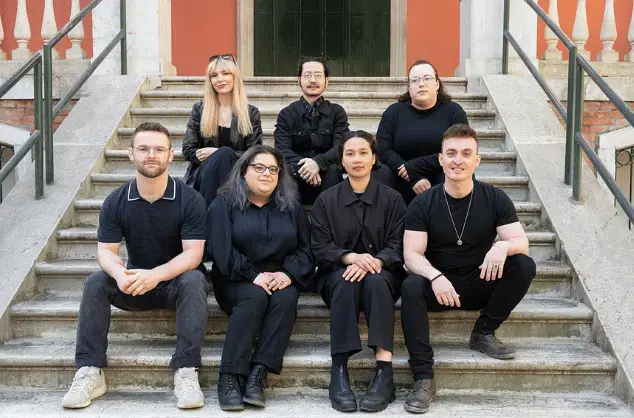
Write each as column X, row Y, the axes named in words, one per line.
column 194, row 139
column 413, row 137
column 341, row 220
column 297, row 135
column 244, row 243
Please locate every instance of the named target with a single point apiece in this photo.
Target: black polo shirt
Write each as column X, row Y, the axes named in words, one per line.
column 152, row 231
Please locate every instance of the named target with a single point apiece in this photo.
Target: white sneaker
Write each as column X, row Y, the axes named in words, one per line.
column 89, row 383
column 187, row 388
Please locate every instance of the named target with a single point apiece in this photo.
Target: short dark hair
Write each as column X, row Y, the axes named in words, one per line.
column 443, row 96
column 304, row 60
column 371, row 140
column 460, row 130
column 151, row 127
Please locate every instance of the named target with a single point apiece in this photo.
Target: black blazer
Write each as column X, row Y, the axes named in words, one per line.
column 194, row 140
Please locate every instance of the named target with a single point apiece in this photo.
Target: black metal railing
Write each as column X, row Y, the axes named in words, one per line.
column 572, row 114
column 6, row 152
column 41, row 63
column 624, row 164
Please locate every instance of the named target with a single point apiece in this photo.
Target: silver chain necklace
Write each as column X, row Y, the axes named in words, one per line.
column 459, row 242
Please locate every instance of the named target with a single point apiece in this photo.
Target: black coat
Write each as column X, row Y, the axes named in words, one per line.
column 297, row 138
column 194, row 140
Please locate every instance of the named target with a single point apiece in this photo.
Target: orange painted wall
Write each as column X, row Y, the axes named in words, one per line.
column 433, row 33
column 201, row 28
column 567, row 10
column 35, row 10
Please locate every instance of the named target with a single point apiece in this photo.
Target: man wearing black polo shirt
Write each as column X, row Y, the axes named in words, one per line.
column 308, row 132
column 449, row 246
column 164, row 225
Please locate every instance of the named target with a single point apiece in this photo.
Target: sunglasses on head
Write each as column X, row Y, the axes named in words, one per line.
column 224, row 57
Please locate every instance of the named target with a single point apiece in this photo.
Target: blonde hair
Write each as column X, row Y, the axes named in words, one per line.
column 209, row 121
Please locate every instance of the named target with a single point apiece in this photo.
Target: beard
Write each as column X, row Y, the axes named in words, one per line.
column 151, row 172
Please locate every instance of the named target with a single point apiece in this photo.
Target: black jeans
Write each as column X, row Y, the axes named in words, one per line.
column 252, row 311
column 187, row 294
column 213, row 172
column 496, row 299
column 329, row 177
column 375, row 295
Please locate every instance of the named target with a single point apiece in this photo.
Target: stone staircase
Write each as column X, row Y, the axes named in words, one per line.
column 550, row 329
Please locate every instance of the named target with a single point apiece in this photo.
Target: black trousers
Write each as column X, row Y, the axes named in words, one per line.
column 252, row 311
column 213, row 172
column 496, row 299
column 375, row 295
column 329, row 177
column 187, row 294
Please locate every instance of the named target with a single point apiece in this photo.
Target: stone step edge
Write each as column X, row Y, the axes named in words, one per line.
column 335, row 95
column 291, row 79
column 185, row 111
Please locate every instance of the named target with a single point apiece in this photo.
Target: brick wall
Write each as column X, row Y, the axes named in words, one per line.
column 19, row 113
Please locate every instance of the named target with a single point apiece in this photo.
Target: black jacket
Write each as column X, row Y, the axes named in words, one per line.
column 194, row 140
column 339, row 219
column 297, row 138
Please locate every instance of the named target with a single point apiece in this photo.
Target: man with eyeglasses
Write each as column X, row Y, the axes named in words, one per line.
column 163, row 223
column 308, row 132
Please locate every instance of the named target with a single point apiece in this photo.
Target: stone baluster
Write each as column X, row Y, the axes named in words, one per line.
column 49, row 25
column 552, row 53
column 630, row 38
column 580, row 32
column 608, row 34
column 76, row 35
column 22, row 33
column 3, row 55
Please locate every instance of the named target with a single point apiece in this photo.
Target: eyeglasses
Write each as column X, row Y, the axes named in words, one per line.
column 261, row 168
column 425, row 79
column 145, row 151
column 308, row 75
column 226, row 57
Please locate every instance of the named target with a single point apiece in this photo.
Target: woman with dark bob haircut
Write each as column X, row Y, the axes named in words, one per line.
column 410, row 132
column 357, row 241
column 258, row 238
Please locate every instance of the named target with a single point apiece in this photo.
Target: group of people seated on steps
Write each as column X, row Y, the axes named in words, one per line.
column 458, row 245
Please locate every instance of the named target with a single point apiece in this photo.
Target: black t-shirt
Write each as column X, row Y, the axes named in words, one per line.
column 224, row 137
column 152, row 231
column 490, row 208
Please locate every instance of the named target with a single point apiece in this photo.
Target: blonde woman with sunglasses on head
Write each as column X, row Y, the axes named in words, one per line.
column 220, row 128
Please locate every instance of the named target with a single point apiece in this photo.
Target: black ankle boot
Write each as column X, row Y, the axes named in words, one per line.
column 230, row 392
column 491, row 346
column 342, row 398
column 381, row 392
column 418, row 401
column 254, row 391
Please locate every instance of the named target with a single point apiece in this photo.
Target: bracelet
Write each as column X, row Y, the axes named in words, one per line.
column 432, row 280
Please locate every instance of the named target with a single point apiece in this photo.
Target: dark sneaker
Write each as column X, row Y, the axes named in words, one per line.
column 341, row 396
column 254, row 391
column 418, row 401
column 491, row 346
column 381, row 392
column 231, row 392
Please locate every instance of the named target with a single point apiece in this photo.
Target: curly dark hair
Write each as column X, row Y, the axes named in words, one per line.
column 443, row 96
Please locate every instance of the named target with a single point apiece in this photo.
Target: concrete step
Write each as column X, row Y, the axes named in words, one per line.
column 488, row 139
column 515, row 186
column 296, row 402
column 538, row 366
column 87, row 213
column 81, row 243
column 367, row 119
column 335, row 84
column 493, row 162
column 553, row 279
column 276, row 100
column 55, row 315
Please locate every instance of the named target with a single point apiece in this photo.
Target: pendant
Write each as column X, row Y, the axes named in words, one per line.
column 459, row 242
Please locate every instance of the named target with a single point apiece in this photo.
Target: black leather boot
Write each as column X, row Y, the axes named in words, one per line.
column 342, row 398
column 418, row 401
column 230, row 392
column 381, row 392
column 254, row 391
column 491, row 346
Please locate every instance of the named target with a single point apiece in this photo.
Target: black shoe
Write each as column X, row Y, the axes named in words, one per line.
column 341, row 396
column 381, row 392
column 491, row 346
column 418, row 401
column 230, row 392
column 254, row 391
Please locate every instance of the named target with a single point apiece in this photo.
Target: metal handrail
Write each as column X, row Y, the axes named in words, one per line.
column 578, row 66
column 44, row 113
